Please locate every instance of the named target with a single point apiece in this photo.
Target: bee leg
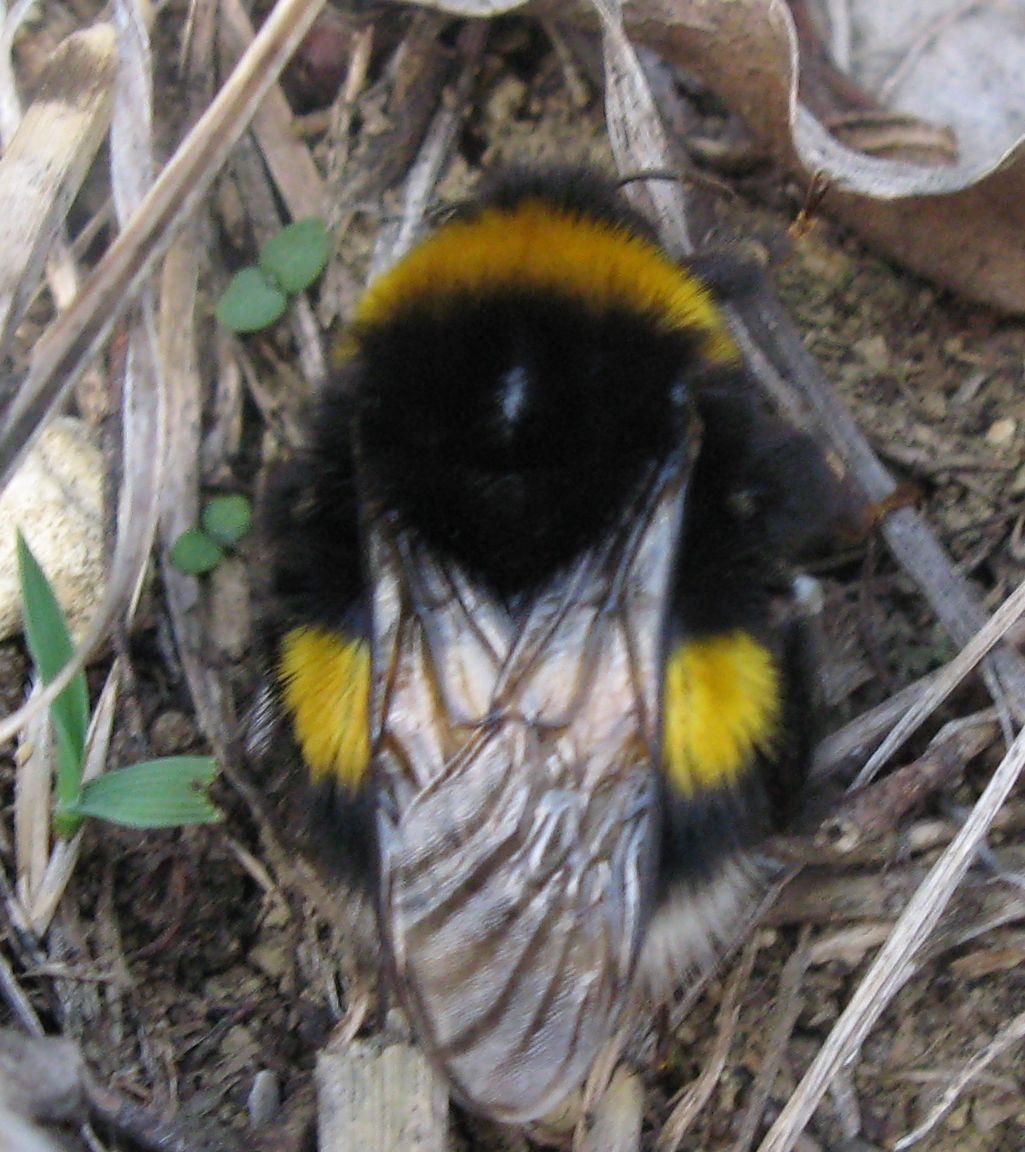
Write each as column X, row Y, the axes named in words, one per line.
column 663, row 1029
column 734, row 269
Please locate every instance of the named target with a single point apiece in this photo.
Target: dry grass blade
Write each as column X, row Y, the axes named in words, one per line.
column 45, row 163
column 131, row 131
column 67, row 346
column 1008, row 1036
column 70, row 342
column 853, row 741
column 179, row 497
column 893, row 964
column 697, row 1095
column 789, row 1003
column 33, row 796
column 396, row 240
column 638, row 139
column 17, row 1001
column 64, row 855
column 1004, row 618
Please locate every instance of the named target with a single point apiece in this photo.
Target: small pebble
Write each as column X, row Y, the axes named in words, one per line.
column 56, row 499
column 172, row 733
column 264, row 1098
column 1001, row 432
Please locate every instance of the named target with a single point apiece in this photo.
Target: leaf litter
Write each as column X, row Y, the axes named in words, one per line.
column 213, row 957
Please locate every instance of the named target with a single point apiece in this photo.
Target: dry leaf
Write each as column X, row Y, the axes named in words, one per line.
column 958, row 219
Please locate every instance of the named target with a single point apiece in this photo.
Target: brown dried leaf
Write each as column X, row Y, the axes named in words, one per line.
column 960, row 223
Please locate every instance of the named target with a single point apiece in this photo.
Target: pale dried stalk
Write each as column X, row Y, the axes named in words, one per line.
column 395, row 240
column 638, row 139
column 947, row 680
column 64, row 855
column 46, row 161
column 73, row 339
column 893, row 965
column 289, row 162
column 1008, row 1036
column 697, row 1095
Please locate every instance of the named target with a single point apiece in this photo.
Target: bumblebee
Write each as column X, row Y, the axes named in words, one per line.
column 527, row 646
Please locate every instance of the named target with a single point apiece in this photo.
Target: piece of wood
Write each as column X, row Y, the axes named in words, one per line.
column 379, row 1095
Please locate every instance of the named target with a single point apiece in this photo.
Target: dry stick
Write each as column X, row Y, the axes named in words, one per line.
column 64, row 854
column 396, row 239
column 636, row 133
column 776, row 353
column 893, row 965
column 288, row 158
column 180, row 363
column 947, row 680
column 68, row 345
column 17, row 1001
column 853, row 740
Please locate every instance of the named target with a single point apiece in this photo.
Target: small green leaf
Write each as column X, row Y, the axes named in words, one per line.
column 164, row 793
column 297, row 255
column 49, row 642
column 251, row 302
column 227, row 519
column 195, row 554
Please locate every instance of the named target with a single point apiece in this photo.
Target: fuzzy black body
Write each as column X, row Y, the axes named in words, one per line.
column 480, row 463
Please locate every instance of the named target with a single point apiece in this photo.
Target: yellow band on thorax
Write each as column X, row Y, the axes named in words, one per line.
column 538, row 247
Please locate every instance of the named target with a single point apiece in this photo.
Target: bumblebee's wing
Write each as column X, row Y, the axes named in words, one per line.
column 516, row 808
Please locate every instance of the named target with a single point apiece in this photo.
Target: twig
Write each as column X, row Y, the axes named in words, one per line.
column 17, row 1001
column 396, row 239
column 69, row 344
column 789, row 373
column 893, row 965
column 1002, row 620
column 696, row 1096
column 1010, row 1035
column 789, row 1003
column 46, row 161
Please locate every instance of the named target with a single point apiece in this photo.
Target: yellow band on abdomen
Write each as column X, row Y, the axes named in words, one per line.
column 325, row 682
column 721, row 707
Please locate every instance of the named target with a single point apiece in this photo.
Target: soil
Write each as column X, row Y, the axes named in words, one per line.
column 187, row 962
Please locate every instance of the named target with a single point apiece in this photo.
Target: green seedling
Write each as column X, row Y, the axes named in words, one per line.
column 289, row 263
column 225, row 520
column 165, row 793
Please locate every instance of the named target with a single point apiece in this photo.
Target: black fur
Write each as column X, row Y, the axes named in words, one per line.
column 513, row 499
column 509, row 430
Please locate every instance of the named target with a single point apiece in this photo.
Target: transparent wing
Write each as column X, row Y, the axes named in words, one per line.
column 516, row 812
